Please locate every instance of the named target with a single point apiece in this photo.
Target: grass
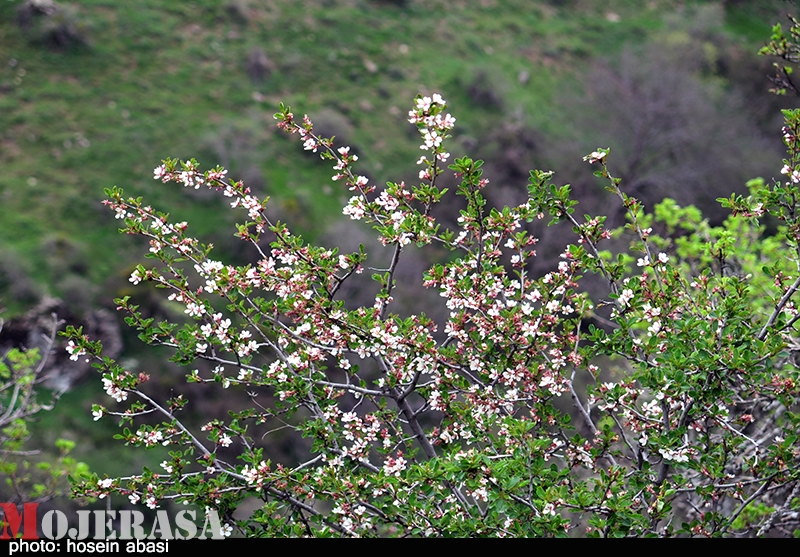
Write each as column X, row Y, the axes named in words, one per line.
column 159, row 79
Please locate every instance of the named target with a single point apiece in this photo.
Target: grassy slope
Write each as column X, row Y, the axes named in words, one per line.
column 168, row 79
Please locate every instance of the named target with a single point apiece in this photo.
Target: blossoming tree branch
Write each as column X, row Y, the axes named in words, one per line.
column 665, row 407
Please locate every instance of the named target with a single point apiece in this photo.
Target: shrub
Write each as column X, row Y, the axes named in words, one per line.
column 58, row 26
column 665, row 407
column 484, row 90
column 258, row 66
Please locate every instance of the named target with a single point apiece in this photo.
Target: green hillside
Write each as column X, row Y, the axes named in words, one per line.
column 98, row 93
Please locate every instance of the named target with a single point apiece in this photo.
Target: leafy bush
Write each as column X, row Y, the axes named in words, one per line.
column 665, row 407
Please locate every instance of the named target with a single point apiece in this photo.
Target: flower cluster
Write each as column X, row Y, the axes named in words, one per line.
column 75, row 351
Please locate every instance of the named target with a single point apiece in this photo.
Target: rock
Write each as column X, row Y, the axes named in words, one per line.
column 35, row 328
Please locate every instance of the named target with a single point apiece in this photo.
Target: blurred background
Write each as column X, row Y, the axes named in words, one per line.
column 95, row 94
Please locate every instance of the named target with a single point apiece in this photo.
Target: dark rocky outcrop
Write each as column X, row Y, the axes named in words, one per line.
column 34, row 330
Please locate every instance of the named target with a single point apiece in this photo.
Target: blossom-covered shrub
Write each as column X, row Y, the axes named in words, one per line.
column 666, row 407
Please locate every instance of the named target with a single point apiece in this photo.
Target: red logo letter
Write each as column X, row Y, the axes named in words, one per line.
column 12, row 520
